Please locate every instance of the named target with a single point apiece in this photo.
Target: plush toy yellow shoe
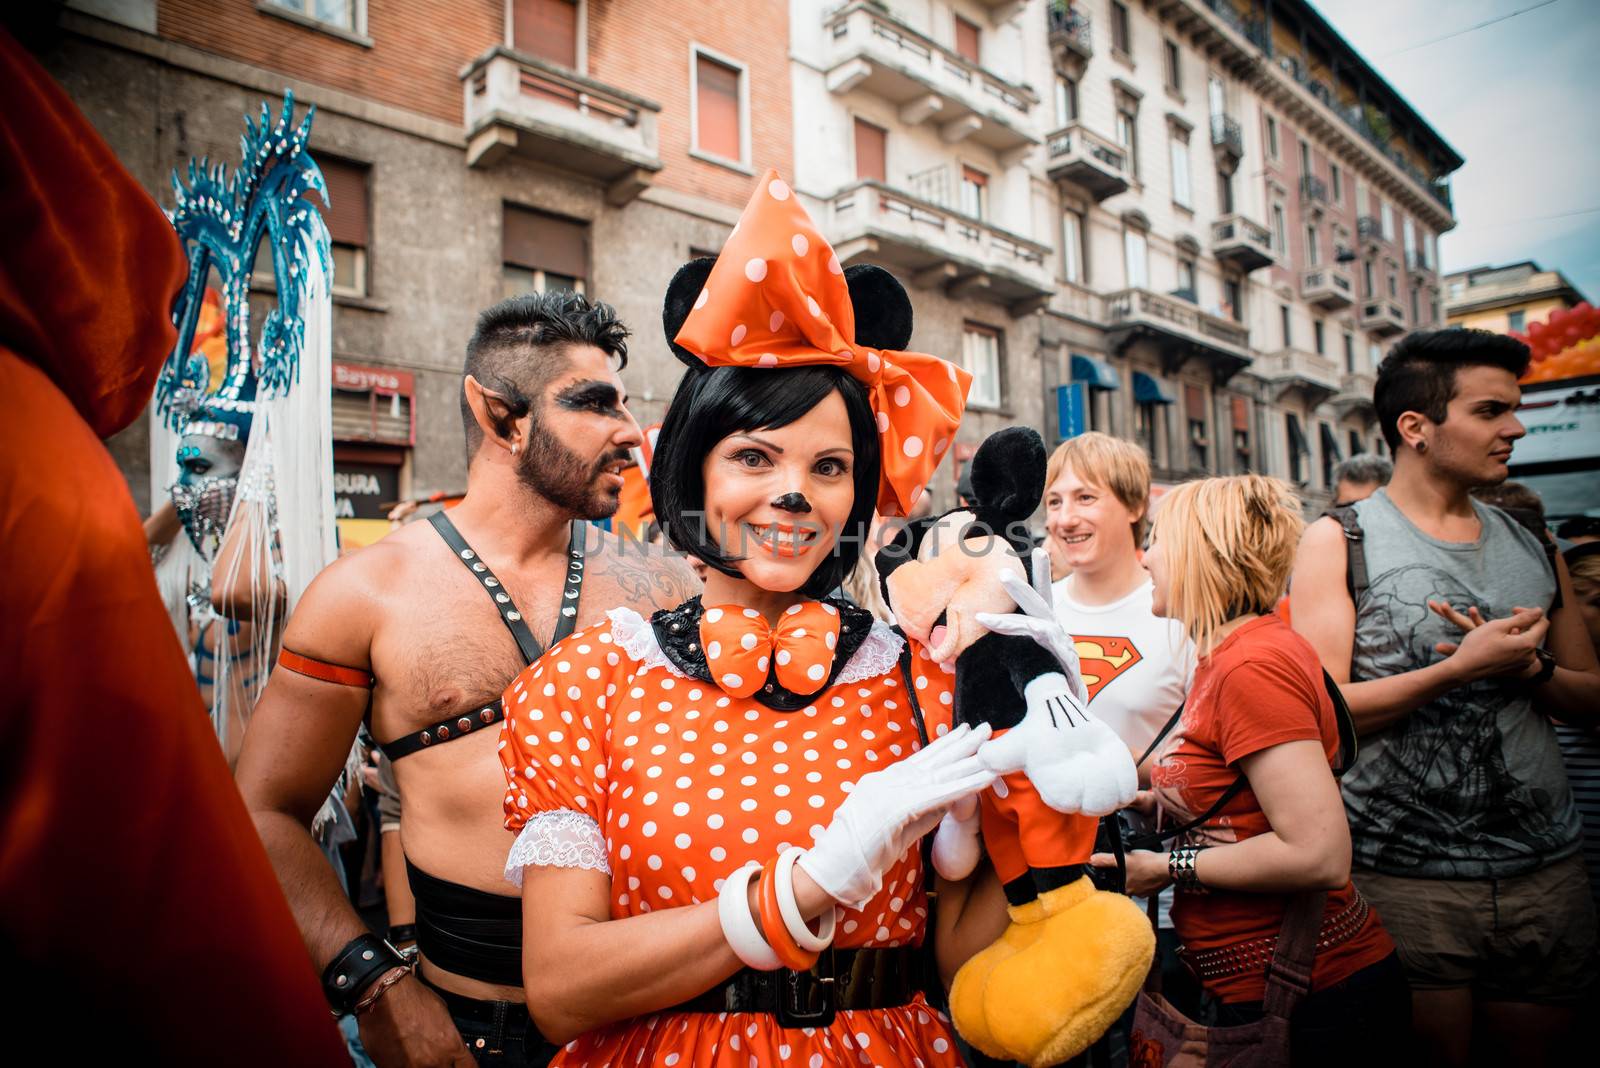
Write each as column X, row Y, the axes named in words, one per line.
column 967, row 989
column 1049, row 1000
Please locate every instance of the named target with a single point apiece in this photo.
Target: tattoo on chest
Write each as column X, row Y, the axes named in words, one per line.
column 656, row 579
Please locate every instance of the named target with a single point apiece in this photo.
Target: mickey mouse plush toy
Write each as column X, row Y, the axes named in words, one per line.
column 1073, row 957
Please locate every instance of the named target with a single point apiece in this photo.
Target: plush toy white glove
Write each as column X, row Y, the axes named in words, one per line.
column 1076, row 762
column 956, row 845
column 889, row 810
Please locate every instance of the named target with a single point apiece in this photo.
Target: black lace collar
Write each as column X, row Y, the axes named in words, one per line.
column 678, row 633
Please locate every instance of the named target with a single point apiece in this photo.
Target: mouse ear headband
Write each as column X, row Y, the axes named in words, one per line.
column 778, row 297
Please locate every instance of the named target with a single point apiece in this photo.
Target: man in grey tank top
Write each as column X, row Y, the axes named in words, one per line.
column 1452, row 655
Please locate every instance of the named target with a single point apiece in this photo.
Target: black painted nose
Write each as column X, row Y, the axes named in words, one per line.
column 793, row 502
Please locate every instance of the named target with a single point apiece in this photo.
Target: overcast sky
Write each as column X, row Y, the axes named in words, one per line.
column 1520, row 100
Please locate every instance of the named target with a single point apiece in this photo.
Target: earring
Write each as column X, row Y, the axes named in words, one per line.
column 1422, row 446
column 515, row 448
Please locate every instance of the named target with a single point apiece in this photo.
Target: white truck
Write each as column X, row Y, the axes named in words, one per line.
column 1560, row 458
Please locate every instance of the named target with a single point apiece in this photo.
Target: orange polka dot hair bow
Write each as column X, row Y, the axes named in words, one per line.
column 777, row 297
column 740, row 645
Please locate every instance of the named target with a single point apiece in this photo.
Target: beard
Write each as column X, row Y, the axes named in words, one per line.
column 566, row 479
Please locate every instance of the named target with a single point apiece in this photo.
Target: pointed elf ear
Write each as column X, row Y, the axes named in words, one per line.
column 882, row 309
column 682, row 292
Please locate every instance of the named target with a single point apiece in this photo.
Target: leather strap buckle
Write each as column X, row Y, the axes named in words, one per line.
column 809, row 999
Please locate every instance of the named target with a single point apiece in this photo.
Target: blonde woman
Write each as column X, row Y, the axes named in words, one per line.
column 1220, row 554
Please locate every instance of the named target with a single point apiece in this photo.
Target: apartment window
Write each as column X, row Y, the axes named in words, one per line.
column 980, row 355
column 1408, row 233
column 1368, row 288
column 968, row 37
column 719, row 112
column 1241, row 434
column 1128, row 138
column 346, row 212
column 1145, row 417
column 547, row 29
column 1216, row 96
column 1416, row 305
column 871, row 143
column 1517, row 320
column 1224, row 192
column 1136, row 258
column 1330, row 453
column 974, row 193
column 1066, row 100
column 1350, row 353
column 1233, row 289
column 1313, row 247
column 1272, row 137
column 1394, row 284
column 1374, row 356
column 1182, row 194
column 1284, row 323
column 1174, row 59
column 1386, row 219
column 1194, row 405
column 540, row 252
column 1305, row 157
column 1186, row 281
column 1121, row 37
column 1430, row 248
column 1299, row 448
column 1318, row 338
column 1072, row 258
column 1280, row 229
column 344, row 14
column 1336, row 182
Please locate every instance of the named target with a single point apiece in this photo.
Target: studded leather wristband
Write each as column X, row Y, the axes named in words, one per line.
column 1180, row 865
column 361, row 961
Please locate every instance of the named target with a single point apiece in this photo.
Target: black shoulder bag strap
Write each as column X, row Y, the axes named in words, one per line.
column 1355, row 571
column 929, row 981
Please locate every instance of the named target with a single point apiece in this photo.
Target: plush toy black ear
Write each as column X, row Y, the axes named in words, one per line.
column 1008, row 475
column 682, row 292
column 883, row 311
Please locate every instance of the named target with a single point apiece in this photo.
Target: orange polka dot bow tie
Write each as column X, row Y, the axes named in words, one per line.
column 739, row 645
column 777, row 297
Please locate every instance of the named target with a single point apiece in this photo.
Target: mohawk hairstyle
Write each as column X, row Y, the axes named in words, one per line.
column 1419, row 374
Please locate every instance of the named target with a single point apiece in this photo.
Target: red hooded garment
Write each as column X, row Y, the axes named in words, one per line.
column 138, row 911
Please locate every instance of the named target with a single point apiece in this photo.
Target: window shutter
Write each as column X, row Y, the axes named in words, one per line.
column 1241, row 414
column 369, row 416
column 967, row 39
column 547, row 29
column 870, row 150
column 345, row 211
column 1194, row 402
column 717, row 108
column 538, row 241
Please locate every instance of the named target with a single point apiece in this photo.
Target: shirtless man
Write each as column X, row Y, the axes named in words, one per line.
column 424, row 635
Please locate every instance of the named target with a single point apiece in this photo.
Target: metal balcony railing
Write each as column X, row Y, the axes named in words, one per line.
column 1368, row 228
column 1226, row 135
column 1241, row 241
column 1069, row 27
column 1313, row 189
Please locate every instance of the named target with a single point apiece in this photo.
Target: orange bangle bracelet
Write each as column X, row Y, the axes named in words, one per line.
column 772, row 925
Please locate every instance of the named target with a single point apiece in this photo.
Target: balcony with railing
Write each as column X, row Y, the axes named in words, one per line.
column 1241, row 242
column 1370, row 231
column 939, row 246
column 1418, row 264
column 1315, row 378
column 1329, row 288
column 1313, row 191
column 1095, row 164
column 874, row 52
column 520, row 103
column 1227, row 142
column 1179, row 330
column 1071, row 37
column 1383, row 316
column 1355, row 394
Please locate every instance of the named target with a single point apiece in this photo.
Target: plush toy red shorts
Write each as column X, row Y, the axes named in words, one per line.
column 1020, row 831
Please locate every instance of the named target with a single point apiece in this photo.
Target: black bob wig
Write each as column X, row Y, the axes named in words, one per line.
column 712, row 403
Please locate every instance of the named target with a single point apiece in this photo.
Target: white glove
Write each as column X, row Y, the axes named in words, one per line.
column 956, row 845
column 889, row 810
column 1076, row 762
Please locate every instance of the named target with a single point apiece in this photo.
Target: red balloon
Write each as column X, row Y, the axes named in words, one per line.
column 1583, row 307
column 1536, row 331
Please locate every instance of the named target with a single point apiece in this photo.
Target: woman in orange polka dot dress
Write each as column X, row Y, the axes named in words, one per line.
column 649, row 761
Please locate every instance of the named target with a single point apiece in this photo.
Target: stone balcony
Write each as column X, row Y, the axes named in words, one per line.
column 873, row 52
column 1095, row 164
column 1328, row 287
column 1315, row 378
column 939, row 247
column 1355, row 394
column 519, row 103
column 1382, row 316
column 1179, row 330
column 1241, row 242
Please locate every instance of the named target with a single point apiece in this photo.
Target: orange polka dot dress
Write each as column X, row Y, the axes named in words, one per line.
column 618, row 760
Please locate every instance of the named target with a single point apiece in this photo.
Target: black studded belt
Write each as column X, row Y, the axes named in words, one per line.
column 841, row 979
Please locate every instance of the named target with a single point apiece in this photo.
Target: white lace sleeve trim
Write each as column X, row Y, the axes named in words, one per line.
column 561, row 838
column 637, row 638
column 878, row 655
